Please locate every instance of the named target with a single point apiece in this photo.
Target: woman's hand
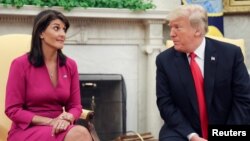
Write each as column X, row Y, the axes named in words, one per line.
column 58, row 125
column 67, row 116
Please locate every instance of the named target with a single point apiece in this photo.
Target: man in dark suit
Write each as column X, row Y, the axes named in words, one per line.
column 225, row 87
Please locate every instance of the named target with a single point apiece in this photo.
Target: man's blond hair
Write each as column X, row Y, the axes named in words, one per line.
column 196, row 14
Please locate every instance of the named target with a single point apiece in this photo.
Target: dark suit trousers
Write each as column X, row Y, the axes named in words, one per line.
column 170, row 135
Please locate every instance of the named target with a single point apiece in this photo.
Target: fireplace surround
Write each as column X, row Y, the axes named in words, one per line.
column 105, row 94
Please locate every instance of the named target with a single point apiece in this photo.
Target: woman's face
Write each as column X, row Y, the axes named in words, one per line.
column 54, row 35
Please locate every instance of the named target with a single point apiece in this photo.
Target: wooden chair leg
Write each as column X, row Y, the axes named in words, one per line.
column 92, row 131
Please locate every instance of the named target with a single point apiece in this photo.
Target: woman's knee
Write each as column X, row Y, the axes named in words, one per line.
column 78, row 133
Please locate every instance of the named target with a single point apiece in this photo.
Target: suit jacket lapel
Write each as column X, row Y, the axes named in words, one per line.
column 209, row 71
column 185, row 74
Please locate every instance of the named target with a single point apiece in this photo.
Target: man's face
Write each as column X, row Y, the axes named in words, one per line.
column 182, row 34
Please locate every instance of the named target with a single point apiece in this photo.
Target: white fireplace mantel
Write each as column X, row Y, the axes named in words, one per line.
column 91, row 30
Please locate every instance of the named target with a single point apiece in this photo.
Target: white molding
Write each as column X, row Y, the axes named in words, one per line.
column 28, row 10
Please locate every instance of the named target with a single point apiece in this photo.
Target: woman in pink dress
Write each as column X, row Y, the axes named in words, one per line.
column 42, row 94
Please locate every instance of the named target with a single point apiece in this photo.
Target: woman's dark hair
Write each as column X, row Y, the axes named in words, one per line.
column 41, row 22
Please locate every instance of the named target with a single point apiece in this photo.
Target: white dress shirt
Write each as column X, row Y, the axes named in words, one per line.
column 200, row 56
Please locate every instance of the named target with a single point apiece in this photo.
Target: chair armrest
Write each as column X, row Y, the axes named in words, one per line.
column 87, row 114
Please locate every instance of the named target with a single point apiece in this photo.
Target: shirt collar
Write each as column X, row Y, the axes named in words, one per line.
column 200, row 51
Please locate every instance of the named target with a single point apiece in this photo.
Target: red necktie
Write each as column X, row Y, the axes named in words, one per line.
column 199, row 86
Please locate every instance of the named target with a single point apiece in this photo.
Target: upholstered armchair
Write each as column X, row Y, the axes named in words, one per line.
column 11, row 46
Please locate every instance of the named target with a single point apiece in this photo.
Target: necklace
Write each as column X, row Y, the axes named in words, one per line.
column 51, row 75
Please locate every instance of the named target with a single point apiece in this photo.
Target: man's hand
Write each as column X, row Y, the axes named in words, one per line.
column 197, row 138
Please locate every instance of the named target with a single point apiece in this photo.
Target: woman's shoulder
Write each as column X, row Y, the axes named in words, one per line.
column 21, row 62
column 71, row 63
column 23, row 59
